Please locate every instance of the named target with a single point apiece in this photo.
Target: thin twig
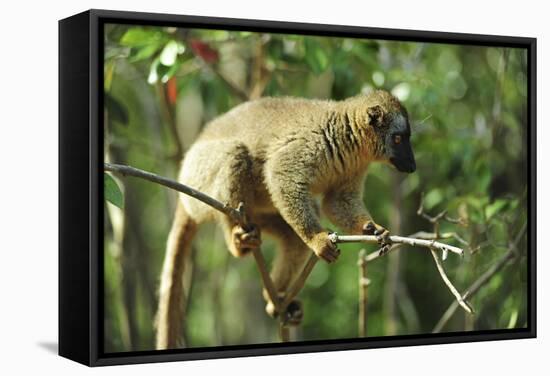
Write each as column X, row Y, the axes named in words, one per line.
column 267, row 281
column 418, row 235
column 299, row 283
column 364, row 283
column 394, row 239
column 243, row 95
column 284, row 331
column 482, row 280
column 168, row 114
column 442, row 216
column 473, row 289
column 449, row 284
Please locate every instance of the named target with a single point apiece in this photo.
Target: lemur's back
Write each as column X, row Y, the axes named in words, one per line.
column 257, row 122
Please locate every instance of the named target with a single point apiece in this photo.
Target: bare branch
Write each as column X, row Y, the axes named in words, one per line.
column 234, row 214
column 266, row 278
column 169, row 117
column 299, row 283
column 436, row 220
column 364, row 283
column 284, row 332
column 394, row 239
column 418, row 235
column 243, row 95
column 449, row 284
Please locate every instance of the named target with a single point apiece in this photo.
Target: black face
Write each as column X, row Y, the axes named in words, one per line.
column 398, row 145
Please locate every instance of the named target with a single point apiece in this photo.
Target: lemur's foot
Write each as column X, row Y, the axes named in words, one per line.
column 293, row 315
column 381, row 233
column 372, row 228
column 385, row 249
column 246, row 240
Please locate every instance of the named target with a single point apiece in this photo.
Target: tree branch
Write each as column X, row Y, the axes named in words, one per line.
column 243, row 95
column 168, row 114
column 415, row 242
column 266, row 278
column 234, row 214
column 449, row 284
column 335, row 238
column 364, row 283
column 300, row 282
column 394, row 239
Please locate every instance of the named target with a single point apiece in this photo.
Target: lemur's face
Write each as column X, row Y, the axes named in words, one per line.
column 391, row 124
column 397, row 144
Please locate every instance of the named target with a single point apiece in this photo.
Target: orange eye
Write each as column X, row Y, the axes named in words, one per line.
column 397, row 139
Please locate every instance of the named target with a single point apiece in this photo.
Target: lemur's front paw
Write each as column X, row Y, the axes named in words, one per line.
column 324, row 248
column 381, row 233
column 246, row 240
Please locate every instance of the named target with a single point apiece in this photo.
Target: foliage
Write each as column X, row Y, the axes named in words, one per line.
column 112, row 191
column 468, row 110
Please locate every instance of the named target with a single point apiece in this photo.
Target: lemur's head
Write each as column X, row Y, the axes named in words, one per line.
column 390, row 121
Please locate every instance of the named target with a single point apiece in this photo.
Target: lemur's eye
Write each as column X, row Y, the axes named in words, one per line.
column 397, row 139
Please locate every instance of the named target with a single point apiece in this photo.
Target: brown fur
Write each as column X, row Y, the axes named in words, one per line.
column 276, row 155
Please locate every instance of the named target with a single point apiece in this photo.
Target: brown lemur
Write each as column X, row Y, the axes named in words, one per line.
column 276, row 155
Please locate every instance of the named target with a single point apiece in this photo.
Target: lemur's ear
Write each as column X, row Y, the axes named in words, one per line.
column 376, row 115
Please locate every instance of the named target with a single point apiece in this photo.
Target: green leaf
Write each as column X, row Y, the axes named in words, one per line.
column 495, row 208
column 433, row 198
column 112, row 192
column 497, row 233
column 365, row 52
column 139, row 36
column 109, row 73
column 513, row 319
column 145, row 52
column 171, row 72
column 316, row 56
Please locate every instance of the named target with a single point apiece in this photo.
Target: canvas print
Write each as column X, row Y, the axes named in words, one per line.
column 269, row 188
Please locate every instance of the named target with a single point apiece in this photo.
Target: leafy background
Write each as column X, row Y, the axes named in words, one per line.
column 469, row 115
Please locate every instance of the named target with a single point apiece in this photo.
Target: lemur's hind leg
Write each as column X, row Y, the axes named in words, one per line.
column 291, row 257
column 234, row 179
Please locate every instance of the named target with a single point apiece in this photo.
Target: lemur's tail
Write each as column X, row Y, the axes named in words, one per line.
column 170, row 313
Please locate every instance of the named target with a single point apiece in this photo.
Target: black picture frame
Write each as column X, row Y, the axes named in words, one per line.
column 81, row 187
